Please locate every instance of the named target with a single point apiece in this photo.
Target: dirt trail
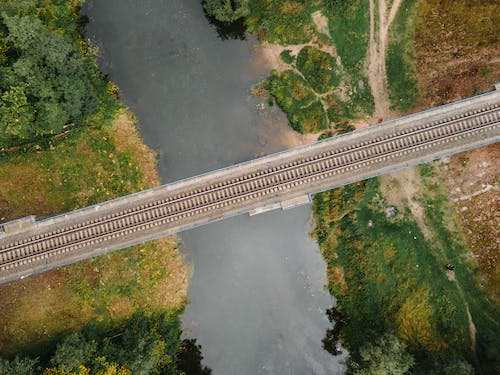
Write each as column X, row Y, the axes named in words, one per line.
column 377, row 75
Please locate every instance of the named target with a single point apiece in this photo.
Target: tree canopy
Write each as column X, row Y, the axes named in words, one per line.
column 387, row 356
column 45, row 82
column 227, row 10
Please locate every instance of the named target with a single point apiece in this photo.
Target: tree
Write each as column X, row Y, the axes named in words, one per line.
column 227, row 10
column 189, row 358
column 16, row 114
column 45, row 85
column 387, row 356
column 25, row 366
column 73, row 352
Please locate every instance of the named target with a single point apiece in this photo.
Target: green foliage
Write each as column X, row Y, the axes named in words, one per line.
column 227, row 10
column 18, row 366
column 401, row 78
column 319, row 69
column 47, row 83
column 287, row 57
column 142, row 345
column 386, row 356
column 304, row 110
column 349, row 26
column 282, row 22
column 74, row 351
column 393, row 279
column 46, row 86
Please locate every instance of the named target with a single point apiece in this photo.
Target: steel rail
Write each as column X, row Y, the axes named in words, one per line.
column 252, row 177
column 269, row 188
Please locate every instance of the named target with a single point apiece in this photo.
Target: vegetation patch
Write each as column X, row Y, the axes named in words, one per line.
column 303, row 108
column 141, row 344
column 394, row 280
column 349, row 27
column 457, row 49
column 47, row 84
column 319, row 69
column 282, row 22
column 287, row 57
column 401, row 76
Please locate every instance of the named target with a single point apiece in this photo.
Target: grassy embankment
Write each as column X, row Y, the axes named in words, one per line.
column 388, row 271
column 103, row 157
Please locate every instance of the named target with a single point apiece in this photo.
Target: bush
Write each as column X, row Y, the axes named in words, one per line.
column 319, row 69
column 304, row 110
column 226, row 10
column 287, row 57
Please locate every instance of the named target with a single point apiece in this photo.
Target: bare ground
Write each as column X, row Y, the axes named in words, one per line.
column 377, row 75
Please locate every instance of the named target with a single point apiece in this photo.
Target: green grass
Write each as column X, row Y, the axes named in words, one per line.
column 87, row 167
column 349, row 27
column 319, row 69
column 393, row 278
column 483, row 309
column 401, row 75
column 304, row 111
column 349, row 24
column 282, row 22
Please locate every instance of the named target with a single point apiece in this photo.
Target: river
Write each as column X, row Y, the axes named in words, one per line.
column 257, row 295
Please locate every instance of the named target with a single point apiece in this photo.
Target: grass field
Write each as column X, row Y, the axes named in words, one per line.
column 86, row 167
column 400, row 59
column 388, row 277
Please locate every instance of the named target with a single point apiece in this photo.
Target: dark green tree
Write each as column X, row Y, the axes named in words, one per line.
column 25, row 366
column 387, row 356
column 45, row 85
column 74, row 351
column 227, row 10
column 145, row 344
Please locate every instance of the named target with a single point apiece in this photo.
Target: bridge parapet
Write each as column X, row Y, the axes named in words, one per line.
column 280, row 180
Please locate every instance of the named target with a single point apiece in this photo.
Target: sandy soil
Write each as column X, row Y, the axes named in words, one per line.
column 402, row 189
column 321, row 23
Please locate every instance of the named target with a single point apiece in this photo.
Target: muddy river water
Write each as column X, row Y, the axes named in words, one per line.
column 257, row 296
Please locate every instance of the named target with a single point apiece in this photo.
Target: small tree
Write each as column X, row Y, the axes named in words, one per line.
column 25, row 366
column 227, row 10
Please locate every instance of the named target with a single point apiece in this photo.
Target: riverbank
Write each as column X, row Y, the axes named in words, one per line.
column 100, row 159
column 386, row 240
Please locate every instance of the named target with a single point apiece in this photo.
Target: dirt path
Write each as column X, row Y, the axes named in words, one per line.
column 377, row 75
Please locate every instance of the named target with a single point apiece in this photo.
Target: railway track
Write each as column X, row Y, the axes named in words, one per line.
column 247, row 188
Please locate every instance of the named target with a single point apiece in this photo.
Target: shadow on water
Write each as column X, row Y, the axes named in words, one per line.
column 331, row 341
column 188, row 358
column 227, row 30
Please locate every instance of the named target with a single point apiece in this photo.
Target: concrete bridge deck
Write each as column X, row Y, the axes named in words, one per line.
column 281, row 180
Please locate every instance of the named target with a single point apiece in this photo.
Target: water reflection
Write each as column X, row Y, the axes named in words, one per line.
column 189, row 357
column 227, row 30
column 331, row 341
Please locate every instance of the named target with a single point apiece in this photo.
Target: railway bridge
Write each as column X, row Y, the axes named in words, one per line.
column 282, row 180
